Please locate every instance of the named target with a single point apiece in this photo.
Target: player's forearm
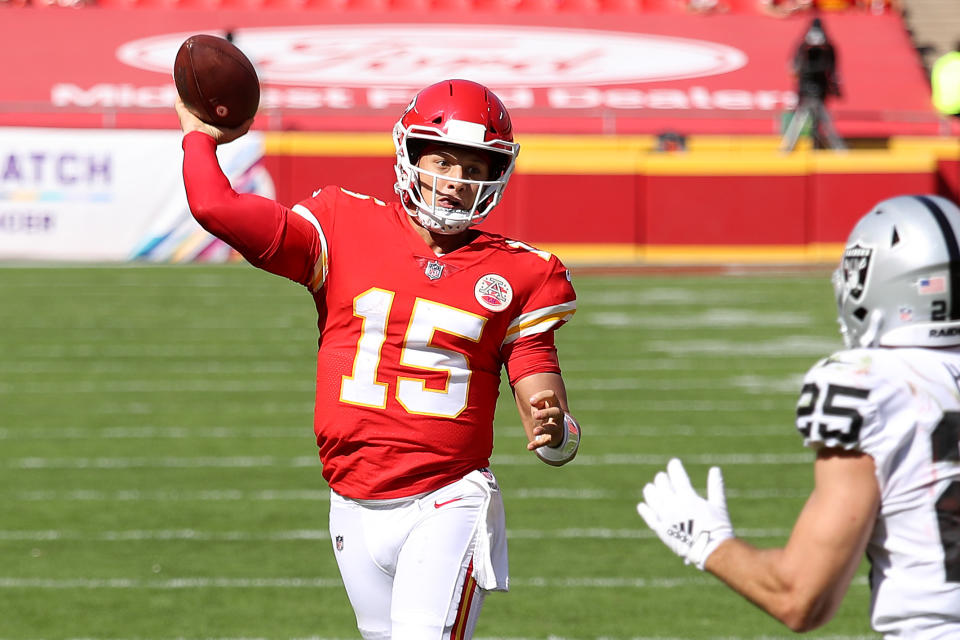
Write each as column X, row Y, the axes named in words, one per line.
column 246, row 222
column 763, row 577
column 208, row 190
column 552, row 432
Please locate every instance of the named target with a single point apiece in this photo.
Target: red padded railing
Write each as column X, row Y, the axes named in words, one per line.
column 389, row 6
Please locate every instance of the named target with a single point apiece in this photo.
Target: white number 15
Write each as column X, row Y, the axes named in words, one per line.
column 362, row 388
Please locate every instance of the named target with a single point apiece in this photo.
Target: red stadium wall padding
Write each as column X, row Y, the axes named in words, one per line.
column 725, row 210
column 838, row 200
column 948, row 174
column 699, row 204
column 563, row 208
column 298, row 177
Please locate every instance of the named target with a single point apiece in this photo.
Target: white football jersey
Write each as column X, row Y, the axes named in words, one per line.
column 902, row 407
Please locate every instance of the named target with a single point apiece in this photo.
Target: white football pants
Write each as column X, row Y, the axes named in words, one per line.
column 409, row 565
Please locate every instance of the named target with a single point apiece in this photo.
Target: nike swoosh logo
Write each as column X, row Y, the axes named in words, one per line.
column 437, row 505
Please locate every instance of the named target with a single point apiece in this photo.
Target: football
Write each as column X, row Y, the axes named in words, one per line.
column 216, row 81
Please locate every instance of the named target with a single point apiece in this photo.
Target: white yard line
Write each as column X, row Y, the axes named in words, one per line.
column 713, row 319
column 182, row 385
column 243, row 462
column 784, row 384
column 790, row 347
column 135, row 535
column 504, row 430
column 549, row 637
column 336, row 583
column 637, row 403
column 157, row 433
column 323, row 495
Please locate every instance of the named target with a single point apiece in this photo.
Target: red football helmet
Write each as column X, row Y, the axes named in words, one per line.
column 461, row 113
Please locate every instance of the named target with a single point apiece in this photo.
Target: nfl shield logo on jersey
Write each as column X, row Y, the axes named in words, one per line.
column 434, row 270
column 339, row 540
column 493, row 292
column 856, row 268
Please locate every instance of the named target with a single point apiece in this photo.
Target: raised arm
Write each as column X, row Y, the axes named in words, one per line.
column 266, row 233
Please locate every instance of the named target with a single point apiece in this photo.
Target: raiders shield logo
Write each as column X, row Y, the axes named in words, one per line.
column 856, row 270
column 434, row 270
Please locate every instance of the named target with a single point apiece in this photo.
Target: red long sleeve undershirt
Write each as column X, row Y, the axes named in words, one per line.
column 269, row 235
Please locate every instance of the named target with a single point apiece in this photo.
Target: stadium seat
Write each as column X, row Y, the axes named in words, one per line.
column 326, row 5
column 415, row 6
column 743, row 6
column 462, row 6
column 579, row 6
column 619, row 6
column 662, row 6
column 188, row 4
column 376, row 6
column 256, row 5
column 111, row 4
column 494, row 6
column 537, row 6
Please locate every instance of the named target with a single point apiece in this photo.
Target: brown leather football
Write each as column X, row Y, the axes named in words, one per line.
column 216, row 81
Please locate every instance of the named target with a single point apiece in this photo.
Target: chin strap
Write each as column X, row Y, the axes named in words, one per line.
column 430, row 222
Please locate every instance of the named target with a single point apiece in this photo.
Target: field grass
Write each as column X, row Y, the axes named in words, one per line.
column 159, row 479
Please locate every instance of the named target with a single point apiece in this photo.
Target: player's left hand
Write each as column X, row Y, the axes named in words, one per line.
column 689, row 525
column 547, row 419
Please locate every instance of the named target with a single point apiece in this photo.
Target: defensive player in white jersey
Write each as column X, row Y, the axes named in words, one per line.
column 884, row 419
column 418, row 313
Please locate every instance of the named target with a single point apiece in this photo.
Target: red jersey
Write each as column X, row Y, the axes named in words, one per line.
column 411, row 344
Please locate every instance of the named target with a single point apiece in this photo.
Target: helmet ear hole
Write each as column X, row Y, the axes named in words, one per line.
column 860, row 313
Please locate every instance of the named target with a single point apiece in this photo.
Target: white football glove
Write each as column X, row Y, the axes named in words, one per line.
column 691, row 526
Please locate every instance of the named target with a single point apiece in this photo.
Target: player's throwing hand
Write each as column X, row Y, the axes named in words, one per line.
column 222, row 135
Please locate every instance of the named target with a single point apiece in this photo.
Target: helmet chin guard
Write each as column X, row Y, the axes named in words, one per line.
column 898, row 283
column 458, row 113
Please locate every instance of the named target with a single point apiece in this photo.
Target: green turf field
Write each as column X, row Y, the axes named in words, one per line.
column 159, row 480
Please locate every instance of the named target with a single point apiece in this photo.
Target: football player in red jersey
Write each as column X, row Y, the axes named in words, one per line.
column 418, row 313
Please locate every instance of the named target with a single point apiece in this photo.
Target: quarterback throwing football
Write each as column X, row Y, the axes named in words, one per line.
column 418, row 313
column 884, row 419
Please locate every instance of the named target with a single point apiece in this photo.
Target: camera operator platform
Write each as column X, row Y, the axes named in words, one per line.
column 815, row 65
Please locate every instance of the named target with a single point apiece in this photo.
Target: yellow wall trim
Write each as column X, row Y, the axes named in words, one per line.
column 636, row 254
column 628, row 155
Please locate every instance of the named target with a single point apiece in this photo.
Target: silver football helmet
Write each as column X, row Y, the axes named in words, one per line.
column 898, row 284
